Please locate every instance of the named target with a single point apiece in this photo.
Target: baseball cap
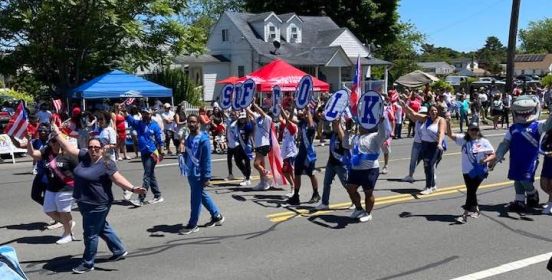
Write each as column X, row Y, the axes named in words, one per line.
column 167, row 105
column 146, row 110
column 423, row 110
column 242, row 115
column 473, row 124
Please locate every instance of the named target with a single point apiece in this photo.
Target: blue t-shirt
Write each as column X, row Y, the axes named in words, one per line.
column 92, row 180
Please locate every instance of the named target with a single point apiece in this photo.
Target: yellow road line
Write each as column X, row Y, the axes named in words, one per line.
column 283, row 216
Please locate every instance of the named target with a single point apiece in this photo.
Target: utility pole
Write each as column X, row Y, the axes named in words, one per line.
column 512, row 38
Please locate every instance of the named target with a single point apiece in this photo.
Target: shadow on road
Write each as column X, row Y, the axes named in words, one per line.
column 327, row 221
column 61, row 264
column 30, row 226
column 451, row 219
column 42, row 239
column 155, row 230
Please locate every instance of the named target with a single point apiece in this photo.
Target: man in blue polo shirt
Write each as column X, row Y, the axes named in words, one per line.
column 149, row 144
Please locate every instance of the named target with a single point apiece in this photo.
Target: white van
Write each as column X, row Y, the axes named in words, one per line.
column 456, row 80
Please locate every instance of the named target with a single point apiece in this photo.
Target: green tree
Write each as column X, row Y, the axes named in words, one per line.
column 64, row 42
column 537, row 38
column 203, row 14
column 372, row 21
column 492, row 54
column 547, row 80
column 403, row 51
column 430, row 52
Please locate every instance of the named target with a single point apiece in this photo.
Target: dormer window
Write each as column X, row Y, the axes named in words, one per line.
column 272, row 32
column 294, row 33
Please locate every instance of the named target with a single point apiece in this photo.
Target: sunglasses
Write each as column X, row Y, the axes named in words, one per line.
column 95, row 148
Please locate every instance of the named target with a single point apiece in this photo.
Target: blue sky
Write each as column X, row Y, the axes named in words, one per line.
column 464, row 25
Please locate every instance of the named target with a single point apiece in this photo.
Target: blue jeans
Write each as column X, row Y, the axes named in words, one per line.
column 94, row 225
column 431, row 156
column 331, row 171
column 199, row 197
column 463, row 120
column 149, row 179
column 414, row 157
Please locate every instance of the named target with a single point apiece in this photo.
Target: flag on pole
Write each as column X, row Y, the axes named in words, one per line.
column 275, row 159
column 58, row 105
column 129, row 101
column 18, row 123
column 355, row 88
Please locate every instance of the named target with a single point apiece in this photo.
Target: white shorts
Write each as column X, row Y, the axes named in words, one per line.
column 57, row 202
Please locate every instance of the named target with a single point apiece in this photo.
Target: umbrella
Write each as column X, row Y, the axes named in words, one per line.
column 416, row 79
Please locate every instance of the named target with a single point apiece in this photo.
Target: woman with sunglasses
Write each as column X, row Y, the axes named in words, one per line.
column 94, row 176
column 59, row 166
column 476, row 153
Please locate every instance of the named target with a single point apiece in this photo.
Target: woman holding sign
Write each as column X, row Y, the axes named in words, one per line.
column 263, row 123
column 432, row 133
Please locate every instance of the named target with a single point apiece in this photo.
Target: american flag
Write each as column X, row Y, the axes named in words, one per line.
column 313, row 103
column 129, row 101
column 355, row 87
column 58, row 105
column 18, row 123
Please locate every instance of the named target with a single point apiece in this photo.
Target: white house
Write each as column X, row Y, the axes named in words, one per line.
column 239, row 43
column 533, row 64
column 436, row 68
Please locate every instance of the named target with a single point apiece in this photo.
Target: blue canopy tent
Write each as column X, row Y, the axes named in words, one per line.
column 118, row 84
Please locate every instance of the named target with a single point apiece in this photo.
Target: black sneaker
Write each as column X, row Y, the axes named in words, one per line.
column 533, row 200
column 82, row 269
column 215, row 221
column 314, row 199
column 517, row 206
column 188, row 230
column 118, row 257
column 294, row 200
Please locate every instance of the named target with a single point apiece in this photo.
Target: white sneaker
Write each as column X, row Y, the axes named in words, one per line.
column 322, row 206
column 54, row 225
column 434, row 189
column 262, row 186
column 127, row 195
column 427, row 191
column 408, row 179
column 547, row 209
column 65, row 239
column 365, row 217
column 245, row 183
column 352, row 207
column 384, row 170
column 290, row 193
column 357, row 213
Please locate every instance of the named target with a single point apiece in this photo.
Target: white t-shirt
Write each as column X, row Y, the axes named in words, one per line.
column 109, row 136
column 44, row 116
column 232, row 134
column 483, row 97
column 169, row 116
column 476, row 150
column 289, row 148
column 430, row 133
column 398, row 114
column 367, row 144
column 262, row 130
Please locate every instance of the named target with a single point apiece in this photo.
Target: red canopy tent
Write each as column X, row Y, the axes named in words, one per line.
column 229, row 80
column 279, row 72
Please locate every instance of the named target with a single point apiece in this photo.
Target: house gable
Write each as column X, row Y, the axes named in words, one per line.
column 234, row 38
column 350, row 44
column 292, row 28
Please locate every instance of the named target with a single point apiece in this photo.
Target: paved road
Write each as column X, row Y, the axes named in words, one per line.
column 411, row 237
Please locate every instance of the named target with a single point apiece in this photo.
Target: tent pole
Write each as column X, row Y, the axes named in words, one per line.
column 172, row 101
column 386, row 79
column 83, row 104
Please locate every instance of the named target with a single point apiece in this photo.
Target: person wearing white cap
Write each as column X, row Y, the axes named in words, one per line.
column 169, row 127
column 477, row 152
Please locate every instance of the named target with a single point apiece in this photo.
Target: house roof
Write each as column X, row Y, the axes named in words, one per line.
column 318, row 32
column 529, row 57
column 203, row 58
column 288, row 16
column 262, row 16
column 463, row 59
column 436, row 64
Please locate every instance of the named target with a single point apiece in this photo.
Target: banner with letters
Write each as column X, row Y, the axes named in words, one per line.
column 370, row 109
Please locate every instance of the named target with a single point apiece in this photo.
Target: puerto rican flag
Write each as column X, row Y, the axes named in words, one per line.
column 355, row 89
column 58, row 105
column 18, row 123
column 275, row 159
column 129, row 101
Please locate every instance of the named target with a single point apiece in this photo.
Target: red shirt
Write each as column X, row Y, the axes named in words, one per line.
column 32, row 129
column 219, row 129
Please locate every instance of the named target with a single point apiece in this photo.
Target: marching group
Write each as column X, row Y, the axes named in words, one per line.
column 81, row 174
